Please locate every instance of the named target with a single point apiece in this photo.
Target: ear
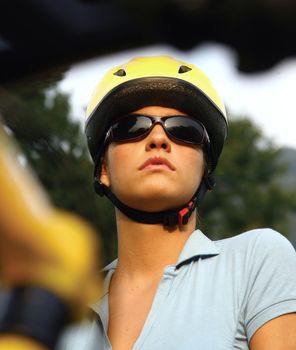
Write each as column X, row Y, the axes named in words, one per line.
column 104, row 177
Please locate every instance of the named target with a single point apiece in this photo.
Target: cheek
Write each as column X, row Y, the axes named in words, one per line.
column 194, row 167
column 118, row 159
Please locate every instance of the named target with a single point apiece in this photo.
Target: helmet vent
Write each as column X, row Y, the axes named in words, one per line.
column 120, row 73
column 184, row 69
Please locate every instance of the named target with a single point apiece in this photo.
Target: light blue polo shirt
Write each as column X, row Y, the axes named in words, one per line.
column 216, row 296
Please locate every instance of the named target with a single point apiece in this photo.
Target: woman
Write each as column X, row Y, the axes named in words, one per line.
column 155, row 129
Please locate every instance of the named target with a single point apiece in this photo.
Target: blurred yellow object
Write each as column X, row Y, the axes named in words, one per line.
column 40, row 245
column 15, row 342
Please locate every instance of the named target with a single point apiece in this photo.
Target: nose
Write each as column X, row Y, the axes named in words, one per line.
column 158, row 139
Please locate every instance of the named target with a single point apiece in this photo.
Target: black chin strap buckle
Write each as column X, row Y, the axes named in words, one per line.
column 180, row 217
column 170, row 219
column 184, row 214
column 207, row 184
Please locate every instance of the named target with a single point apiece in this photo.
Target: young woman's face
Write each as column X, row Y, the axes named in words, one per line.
column 154, row 173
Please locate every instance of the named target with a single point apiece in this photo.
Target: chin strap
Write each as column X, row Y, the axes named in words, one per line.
column 179, row 216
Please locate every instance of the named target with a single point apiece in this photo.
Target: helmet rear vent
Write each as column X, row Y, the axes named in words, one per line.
column 120, row 73
column 184, row 69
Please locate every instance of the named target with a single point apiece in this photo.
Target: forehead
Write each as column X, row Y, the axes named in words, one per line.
column 159, row 111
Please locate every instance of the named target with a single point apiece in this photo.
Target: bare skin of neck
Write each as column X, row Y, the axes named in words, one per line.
column 145, row 249
column 143, row 253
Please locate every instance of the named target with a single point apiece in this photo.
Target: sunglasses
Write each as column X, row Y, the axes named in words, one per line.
column 179, row 128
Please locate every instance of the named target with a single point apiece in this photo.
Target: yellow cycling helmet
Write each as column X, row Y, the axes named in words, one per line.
column 160, row 81
column 157, row 80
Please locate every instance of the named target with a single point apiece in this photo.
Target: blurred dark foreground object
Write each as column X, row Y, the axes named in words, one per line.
column 35, row 34
column 49, row 258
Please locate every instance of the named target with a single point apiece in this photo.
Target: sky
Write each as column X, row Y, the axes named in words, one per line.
column 268, row 98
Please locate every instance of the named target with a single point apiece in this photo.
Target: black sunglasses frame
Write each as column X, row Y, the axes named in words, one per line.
column 162, row 121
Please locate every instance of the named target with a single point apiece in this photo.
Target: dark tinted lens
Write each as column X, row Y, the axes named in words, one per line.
column 185, row 129
column 130, row 127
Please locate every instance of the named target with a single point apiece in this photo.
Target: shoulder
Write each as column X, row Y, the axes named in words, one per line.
column 260, row 252
column 252, row 242
column 268, row 263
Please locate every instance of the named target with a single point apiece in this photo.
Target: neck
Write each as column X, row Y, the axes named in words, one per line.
column 145, row 249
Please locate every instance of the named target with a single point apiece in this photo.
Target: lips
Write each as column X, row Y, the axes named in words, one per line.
column 157, row 163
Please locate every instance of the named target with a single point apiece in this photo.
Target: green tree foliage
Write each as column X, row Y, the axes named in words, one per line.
column 247, row 194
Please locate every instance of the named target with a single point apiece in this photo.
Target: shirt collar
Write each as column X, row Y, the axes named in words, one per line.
column 197, row 246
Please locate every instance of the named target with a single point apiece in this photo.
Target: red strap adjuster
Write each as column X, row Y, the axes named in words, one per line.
column 184, row 214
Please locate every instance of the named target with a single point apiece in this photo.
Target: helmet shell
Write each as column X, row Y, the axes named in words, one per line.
column 160, row 81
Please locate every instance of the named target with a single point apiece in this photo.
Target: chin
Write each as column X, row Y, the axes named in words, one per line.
column 157, row 202
column 156, row 195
